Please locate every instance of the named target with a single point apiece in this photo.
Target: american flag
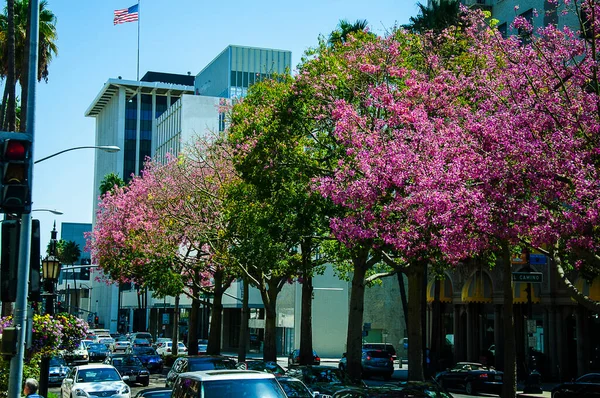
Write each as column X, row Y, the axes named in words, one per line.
column 126, row 15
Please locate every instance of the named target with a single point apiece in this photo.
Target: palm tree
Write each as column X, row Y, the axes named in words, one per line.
column 346, row 28
column 19, row 56
column 110, row 182
column 437, row 16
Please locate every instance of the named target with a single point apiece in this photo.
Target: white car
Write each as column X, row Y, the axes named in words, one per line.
column 94, row 381
column 166, row 348
column 121, row 345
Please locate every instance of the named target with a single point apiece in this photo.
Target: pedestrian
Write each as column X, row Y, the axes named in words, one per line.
column 30, row 389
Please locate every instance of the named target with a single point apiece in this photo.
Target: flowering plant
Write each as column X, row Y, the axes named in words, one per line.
column 73, row 331
column 46, row 335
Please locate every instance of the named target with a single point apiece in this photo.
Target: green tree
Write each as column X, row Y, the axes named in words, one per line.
column 14, row 52
column 110, row 182
column 346, row 28
column 440, row 15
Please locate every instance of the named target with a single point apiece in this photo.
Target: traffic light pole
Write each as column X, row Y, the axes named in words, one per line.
column 20, row 313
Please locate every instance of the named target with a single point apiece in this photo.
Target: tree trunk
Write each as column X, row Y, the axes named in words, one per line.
column 436, row 331
column 192, row 342
column 416, row 276
column 175, row 340
column 25, row 73
column 10, row 77
column 306, row 341
column 270, row 302
column 355, row 318
column 403, row 299
column 509, row 383
column 214, row 334
column 243, row 347
column 3, row 108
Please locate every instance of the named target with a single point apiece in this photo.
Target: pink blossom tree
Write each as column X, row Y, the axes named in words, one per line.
column 164, row 230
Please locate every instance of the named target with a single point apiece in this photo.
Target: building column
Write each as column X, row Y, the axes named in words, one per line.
column 458, row 330
column 498, row 337
column 470, row 330
column 582, row 340
column 551, row 348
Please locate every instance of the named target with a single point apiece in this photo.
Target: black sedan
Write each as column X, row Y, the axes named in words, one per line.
column 262, row 366
column 150, row 359
column 324, row 380
column 194, row 363
column 471, row 377
column 294, row 358
column 130, row 365
column 98, row 352
column 586, row 386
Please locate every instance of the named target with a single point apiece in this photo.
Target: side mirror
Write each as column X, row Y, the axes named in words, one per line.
column 125, row 378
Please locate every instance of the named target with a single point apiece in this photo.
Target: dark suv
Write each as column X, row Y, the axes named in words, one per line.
column 373, row 363
column 381, row 346
column 194, row 363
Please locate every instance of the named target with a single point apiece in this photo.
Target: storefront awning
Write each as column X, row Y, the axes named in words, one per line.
column 520, row 293
column 592, row 290
column 477, row 289
column 445, row 291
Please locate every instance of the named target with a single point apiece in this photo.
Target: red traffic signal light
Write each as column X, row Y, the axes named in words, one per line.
column 15, row 156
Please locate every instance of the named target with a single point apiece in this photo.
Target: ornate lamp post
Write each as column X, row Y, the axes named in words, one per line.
column 50, row 274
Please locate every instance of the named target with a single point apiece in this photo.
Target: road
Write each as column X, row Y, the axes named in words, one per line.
column 157, row 380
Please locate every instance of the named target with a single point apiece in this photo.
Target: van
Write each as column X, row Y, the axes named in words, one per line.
column 383, row 347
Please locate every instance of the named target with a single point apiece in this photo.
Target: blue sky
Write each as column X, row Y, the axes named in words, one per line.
column 177, row 36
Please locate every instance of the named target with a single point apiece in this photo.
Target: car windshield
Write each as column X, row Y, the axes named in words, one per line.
column 264, row 388
column 97, row 375
column 590, row 378
column 144, row 351
column 210, row 365
column 295, row 389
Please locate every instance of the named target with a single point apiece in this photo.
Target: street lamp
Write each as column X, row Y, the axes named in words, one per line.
column 105, row 148
column 53, row 211
column 50, row 273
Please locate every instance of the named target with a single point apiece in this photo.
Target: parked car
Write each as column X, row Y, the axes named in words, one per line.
column 79, row 356
column 195, row 363
column 155, row 392
column 230, row 383
column 58, row 370
column 97, row 352
column 262, row 366
column 149, row 357
column 411, row 389
column 294, row 358
column 130, row 365
column 324, row 380
column 294, row 388
column 383, row 347
column 202, row 345
column 471, row 377
column 373, row 363
column 166, row 348
column 586, row 385
column 98, row 379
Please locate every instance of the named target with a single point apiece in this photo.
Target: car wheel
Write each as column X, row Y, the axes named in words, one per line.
column 469, row 388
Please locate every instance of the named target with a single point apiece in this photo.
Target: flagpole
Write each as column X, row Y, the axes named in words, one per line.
column 138, row 43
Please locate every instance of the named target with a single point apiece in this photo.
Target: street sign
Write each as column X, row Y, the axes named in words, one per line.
column 518, row 258
column 538, row 259
column 529, row 277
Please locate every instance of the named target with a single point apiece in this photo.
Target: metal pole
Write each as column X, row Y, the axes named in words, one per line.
column 20, row 318
column 45, row 362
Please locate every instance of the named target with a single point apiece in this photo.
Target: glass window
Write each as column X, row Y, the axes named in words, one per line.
column 264, row 388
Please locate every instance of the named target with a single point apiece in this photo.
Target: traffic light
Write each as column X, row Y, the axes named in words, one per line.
column 85, row 274
column 96, row 320
column 16, row 159
column 9, row 260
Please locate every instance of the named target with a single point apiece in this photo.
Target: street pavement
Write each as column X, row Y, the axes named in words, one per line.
column 400, row 374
